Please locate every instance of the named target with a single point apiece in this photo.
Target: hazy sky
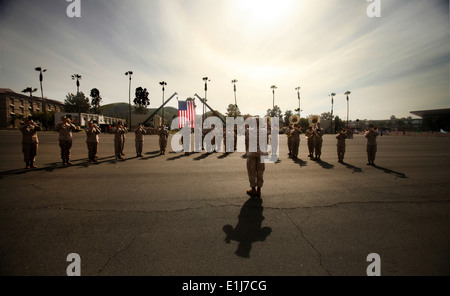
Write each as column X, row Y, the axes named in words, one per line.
column 392, row 65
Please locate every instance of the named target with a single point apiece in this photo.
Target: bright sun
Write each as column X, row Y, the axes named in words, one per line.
column 261, row 12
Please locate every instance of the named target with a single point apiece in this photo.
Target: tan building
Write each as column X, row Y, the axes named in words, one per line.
column 16, row 106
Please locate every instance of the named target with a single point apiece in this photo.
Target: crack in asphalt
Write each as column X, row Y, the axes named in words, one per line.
column 311, row 244
column 118, row 252
column 225, row 205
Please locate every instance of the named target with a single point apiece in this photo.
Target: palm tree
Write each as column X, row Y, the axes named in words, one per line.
column 77, row 77
column 30, row 90
column 96, row 99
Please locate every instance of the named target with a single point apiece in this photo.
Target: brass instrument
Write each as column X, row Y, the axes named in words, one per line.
column 314, row 120
column 294, row 119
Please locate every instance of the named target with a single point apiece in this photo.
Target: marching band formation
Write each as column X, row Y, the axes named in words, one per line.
column 255, row 166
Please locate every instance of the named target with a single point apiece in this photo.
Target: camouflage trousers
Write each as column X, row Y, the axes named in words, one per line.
column 162, row 144
column 340, row 152
column 311, row 147
column 294, row 147
column 139, row 145
column 371, row 152
column 318, row 148
column 65, row 150
column 29, row 152
column 118, row 147
column 92, row 150
column 255, row 170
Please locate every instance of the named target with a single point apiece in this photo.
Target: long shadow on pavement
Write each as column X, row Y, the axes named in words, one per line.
column 300, row 162
column 325, row 164
column 248, row 230
column 352, row 167
column 391, row 172
column 50, row 167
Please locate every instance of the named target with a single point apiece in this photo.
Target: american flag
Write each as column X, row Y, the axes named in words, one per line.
column 186, row 113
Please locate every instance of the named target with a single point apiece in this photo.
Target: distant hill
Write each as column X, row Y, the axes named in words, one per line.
column 121, row 110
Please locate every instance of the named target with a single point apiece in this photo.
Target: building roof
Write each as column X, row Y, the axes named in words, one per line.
column 423, row 113
column 22, row 95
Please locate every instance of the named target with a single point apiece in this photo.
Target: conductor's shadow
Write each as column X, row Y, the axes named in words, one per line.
column 248, row 230
column 391, row 172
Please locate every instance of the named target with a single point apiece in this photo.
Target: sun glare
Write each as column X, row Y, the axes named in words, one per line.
column 263, row 12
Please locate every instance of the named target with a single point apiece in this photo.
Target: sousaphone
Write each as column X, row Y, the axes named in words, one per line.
column 314, row 120
column 294, row 119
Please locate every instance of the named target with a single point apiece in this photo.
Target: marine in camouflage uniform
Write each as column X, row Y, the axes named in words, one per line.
column 30, row 142
column 295, row 136
column 118, row 131
column 163, row 136
column 124, row 137
column 92, row 141
column 318, row 141
column 371, row 146
column 310, row 140
column 341, row 145
column 139, row 139
column 255, row 165
column 65, row 128
column 289, row 139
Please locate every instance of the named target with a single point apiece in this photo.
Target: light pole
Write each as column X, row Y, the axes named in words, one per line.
column 347, row 93
column 332, row 102
column 162, row 83
column 41, row 78
column 234, row 81
column 273, row 87
column 205, row 79
column 298, row 95
column 129, row 73
column 77, row 77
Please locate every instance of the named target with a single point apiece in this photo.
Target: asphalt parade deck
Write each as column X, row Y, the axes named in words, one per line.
column 180, row 214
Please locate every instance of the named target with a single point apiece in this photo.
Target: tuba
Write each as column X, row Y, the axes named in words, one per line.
column 314, row 120
column 294, row 119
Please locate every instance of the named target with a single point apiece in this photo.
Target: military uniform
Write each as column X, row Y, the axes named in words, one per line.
column 310, row 139
column 163, row 136
column 92, row 141
column 371, row 146
column 295, row 138
column 123, row 140
column 318, row 133
column 139, row 139
column 65, row 129
column 255, row 167
column 289, row 139
column 118, row 131
column 341, row 145
column 30, row 143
